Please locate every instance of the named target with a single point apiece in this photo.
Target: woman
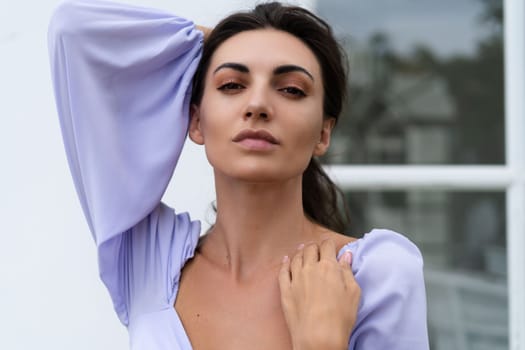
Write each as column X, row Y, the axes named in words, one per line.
column 272, row 273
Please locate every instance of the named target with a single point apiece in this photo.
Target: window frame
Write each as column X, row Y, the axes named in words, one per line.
column 509, row 177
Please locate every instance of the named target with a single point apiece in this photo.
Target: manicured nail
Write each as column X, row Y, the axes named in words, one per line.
column 285, row 259
column 347, row 256
column 301, row 246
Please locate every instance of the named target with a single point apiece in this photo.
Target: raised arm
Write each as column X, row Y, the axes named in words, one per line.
column 122, row 78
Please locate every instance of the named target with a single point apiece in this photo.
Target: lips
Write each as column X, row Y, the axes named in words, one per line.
column 255, row 135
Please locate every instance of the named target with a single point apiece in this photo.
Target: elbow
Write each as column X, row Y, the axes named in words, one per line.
column 64, row 20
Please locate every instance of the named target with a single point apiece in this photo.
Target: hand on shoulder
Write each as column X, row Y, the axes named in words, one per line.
column 319, row 297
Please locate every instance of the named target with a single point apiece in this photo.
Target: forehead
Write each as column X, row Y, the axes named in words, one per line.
column 266, row 48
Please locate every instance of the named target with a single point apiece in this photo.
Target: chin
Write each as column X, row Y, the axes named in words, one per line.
column 259, row 174
column 258, row 169
column 255, row 175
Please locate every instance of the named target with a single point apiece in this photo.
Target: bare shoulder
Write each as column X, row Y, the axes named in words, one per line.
column 340, row 240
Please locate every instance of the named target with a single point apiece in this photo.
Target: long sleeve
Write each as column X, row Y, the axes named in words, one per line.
column 392, row 314
column 122, row 79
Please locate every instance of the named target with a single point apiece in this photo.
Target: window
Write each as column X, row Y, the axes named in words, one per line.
column 432, row 145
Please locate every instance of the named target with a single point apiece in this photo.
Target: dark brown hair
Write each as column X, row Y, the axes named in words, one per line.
column 320, row 195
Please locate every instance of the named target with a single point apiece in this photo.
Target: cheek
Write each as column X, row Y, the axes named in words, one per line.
column 303, row 136
column 216, row 131
column 306, row 129
column 214, row 118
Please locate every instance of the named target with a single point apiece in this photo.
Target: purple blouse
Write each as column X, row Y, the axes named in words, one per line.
column 122, row 79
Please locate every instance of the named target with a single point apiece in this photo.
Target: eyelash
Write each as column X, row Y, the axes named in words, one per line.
column 293, row 91
column 230, row 86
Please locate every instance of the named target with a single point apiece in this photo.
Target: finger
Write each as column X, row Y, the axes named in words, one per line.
column 346, row 259
column 328, row 250
column 297, row 262
column 285, row 277
column 311, row 254
column 346, row 262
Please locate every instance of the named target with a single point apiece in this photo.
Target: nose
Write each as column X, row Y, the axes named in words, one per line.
column 258, row 105
column 261, row 114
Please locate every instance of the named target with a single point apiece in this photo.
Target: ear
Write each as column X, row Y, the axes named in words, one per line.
column 195, row 131
column 326, row 133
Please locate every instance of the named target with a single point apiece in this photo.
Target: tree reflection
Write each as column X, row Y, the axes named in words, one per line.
column 422, row 108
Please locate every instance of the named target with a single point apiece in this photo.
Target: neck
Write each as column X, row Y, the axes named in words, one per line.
column 257, row 224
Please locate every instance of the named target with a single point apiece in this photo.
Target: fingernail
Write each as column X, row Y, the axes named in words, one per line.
column 348, row 257
column 300, row 246
column 285, row 258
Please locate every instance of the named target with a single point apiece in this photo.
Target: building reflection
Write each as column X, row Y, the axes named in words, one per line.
column 427, row 88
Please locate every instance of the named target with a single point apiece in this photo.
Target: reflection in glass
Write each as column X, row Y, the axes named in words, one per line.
column 462, row 239
column 426, row 81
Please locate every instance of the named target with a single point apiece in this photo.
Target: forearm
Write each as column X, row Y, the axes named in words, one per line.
column 121, row 76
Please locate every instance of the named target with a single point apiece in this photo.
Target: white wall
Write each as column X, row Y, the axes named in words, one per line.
column 50, row 294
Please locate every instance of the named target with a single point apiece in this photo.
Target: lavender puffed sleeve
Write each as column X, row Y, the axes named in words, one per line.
column 122, row 79
column 392, row 313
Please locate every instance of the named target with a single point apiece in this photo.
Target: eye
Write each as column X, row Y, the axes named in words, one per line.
column 293, row 91
column 230, row 87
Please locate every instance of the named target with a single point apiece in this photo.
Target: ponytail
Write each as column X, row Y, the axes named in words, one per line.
column 322, row 199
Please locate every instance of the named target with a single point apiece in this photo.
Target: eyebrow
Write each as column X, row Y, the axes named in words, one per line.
column 287, row 68
column 235, row 66
column 291, row 68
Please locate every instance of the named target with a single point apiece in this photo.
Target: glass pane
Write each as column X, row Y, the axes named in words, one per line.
column 426, row 81
column 462, row 238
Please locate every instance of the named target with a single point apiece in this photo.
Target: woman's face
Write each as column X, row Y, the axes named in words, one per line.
column 261, row 114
